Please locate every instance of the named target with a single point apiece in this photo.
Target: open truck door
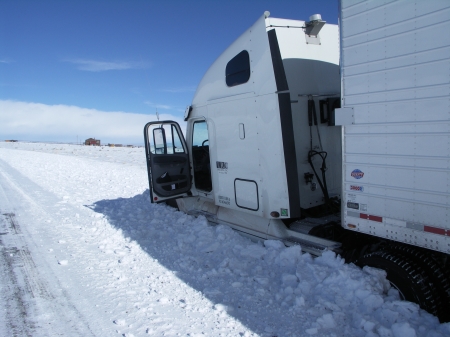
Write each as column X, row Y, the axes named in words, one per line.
column 167, row 161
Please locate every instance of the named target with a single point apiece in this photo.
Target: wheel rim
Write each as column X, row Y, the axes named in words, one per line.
column 393, row 285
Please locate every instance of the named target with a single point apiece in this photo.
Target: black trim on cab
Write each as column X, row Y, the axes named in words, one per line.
column 287, row 130
column 290, row 157
column 277, row 62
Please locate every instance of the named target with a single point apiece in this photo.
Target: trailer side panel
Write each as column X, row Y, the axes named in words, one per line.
column 395, row 70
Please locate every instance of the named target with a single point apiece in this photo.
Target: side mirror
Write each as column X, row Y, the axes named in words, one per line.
column 159, row 139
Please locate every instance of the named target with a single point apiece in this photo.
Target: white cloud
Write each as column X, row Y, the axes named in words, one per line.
column 41, row 122
column 96, row 66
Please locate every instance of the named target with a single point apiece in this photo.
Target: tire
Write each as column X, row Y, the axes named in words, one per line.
column 404, row 275
column 438, row 276
column 172, row 203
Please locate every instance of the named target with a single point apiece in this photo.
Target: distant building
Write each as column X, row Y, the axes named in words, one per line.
column 10, row 140
column 92, row 141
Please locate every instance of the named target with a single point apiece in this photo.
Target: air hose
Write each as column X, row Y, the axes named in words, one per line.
column 312, row 118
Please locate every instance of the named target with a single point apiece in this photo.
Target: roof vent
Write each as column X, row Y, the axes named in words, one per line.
column 315, row 17
column 314, row 25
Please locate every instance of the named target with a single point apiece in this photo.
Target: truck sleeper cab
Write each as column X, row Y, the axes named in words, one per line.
column 249, row 133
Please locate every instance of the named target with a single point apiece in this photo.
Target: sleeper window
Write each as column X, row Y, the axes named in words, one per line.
column 238, row 69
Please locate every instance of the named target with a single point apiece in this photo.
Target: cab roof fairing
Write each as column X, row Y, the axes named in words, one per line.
column 292, row 46
column 310, row 69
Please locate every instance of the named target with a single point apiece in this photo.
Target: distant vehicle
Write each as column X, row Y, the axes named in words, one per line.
column 270, row 151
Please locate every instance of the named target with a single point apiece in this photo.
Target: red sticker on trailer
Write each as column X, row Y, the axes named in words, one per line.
column 371, row 217
column 435, row 230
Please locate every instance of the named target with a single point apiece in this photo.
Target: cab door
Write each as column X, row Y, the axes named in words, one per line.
column 167, row 161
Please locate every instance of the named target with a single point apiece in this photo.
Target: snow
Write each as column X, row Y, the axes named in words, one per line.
column 84, row 253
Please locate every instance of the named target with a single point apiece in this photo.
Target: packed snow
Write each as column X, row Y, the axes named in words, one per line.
column 85, row 253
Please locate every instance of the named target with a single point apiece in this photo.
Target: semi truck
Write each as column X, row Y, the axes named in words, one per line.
column 333, row 137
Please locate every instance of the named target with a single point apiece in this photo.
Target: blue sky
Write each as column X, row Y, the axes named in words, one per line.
column 106, row 58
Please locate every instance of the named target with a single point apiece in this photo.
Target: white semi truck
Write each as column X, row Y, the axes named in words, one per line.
column 331, row 137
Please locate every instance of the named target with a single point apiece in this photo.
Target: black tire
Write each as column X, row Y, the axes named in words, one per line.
column 438, row 276
column 404, row 275
column 172, row 203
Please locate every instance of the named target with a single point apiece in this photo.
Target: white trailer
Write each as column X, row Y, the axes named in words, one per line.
column 270, row 151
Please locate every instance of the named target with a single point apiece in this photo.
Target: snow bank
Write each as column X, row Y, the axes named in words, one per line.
column 153, row 270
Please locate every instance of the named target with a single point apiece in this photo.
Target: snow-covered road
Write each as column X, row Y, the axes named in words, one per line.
column 84, row 253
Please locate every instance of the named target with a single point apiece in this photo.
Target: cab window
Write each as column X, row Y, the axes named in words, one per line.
column 200, row 156
column 238, row 69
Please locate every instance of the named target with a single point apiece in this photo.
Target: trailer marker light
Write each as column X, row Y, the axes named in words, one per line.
column 349, row 225
column 155, row 198
column 274, row 214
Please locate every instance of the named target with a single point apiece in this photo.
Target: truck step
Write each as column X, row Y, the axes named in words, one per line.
column 311, row 244
column 305, row 243
column 212, row 218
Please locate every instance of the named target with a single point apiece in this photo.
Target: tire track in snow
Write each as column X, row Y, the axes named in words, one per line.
column 32, row 295
column 16, row 317
column 34, row 284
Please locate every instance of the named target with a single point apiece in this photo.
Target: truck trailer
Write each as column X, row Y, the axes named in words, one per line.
column 332, row 137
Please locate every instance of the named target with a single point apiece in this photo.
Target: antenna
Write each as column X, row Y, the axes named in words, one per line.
column 157, row 114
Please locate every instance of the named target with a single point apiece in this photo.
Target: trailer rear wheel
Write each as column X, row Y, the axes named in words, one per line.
column 405, row 276
column 438, row 276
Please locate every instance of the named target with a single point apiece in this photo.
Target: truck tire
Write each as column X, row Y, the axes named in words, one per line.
column 405, row 276
column 438, row 276
column 172, row 203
